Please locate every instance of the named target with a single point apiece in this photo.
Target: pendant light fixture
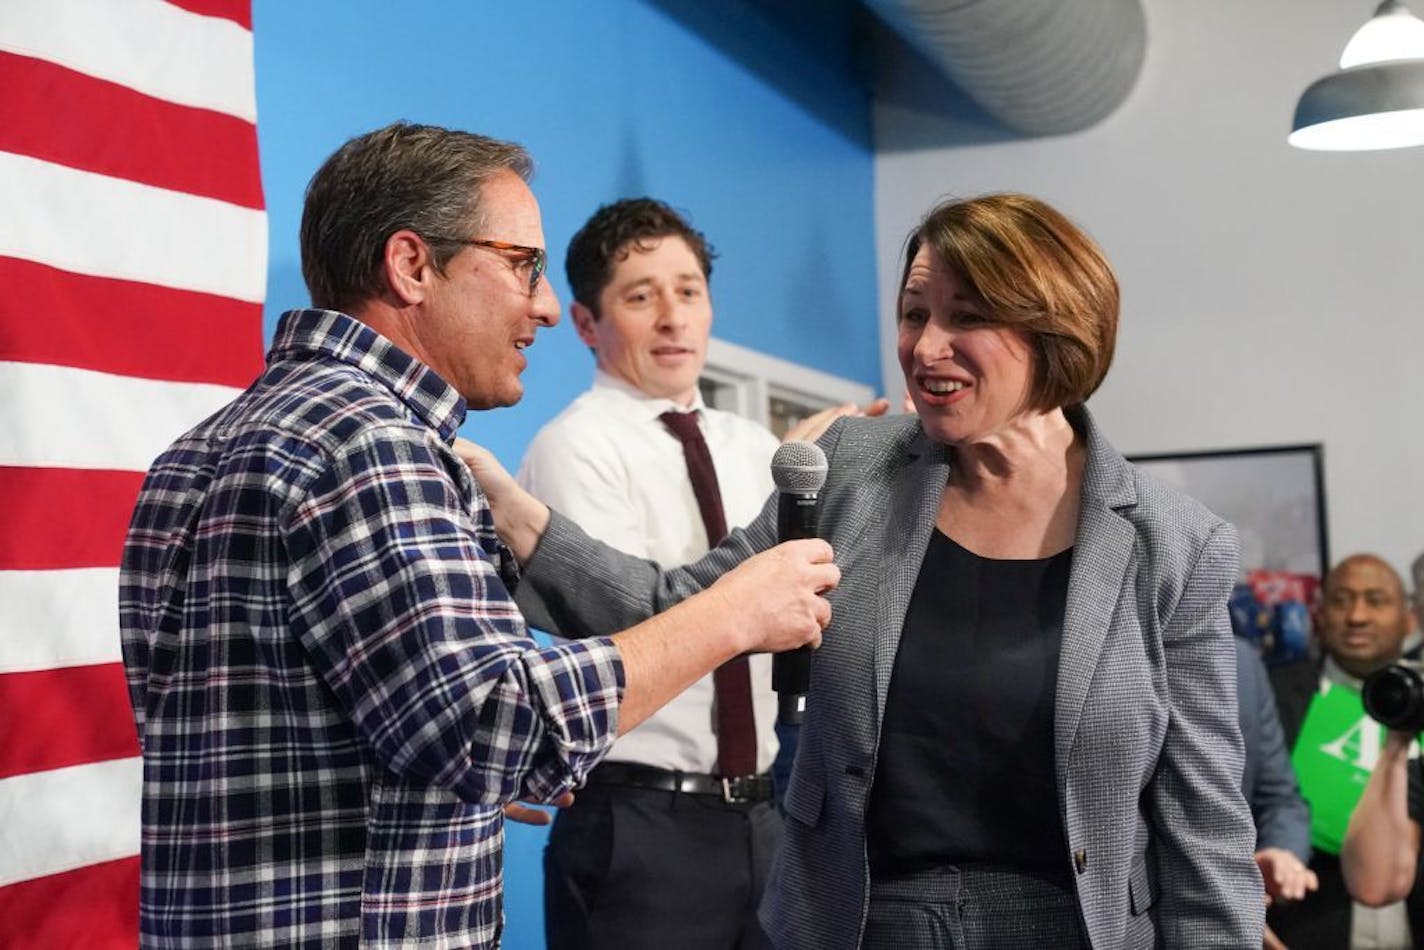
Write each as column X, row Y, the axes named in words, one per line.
column 1376, row 100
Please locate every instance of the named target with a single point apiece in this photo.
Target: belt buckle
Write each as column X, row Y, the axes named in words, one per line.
column 739, row 789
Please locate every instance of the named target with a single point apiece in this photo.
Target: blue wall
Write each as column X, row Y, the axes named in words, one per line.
column 613, row 98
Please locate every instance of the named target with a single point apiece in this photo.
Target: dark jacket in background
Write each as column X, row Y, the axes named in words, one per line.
column 1268, row 781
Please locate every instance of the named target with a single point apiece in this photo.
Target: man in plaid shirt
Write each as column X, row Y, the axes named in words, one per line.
column 335, row 693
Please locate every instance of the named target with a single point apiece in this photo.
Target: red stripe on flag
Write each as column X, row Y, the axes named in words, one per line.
column 64, row 518
column 58, row 518
column 72, row 716
column 98, row 126
column 238, row 11
column 94, row 907
column 126, row 328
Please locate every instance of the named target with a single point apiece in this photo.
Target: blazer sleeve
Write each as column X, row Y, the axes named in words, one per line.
column 1210, row 891
column 1281, row 815
column 576, row 586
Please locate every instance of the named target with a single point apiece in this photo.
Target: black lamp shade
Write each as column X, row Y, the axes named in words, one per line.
column 1372, row 106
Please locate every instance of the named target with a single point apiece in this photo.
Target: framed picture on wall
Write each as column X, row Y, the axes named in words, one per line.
column 1275, row 496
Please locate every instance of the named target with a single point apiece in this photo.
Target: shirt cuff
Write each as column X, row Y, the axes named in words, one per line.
column 580, row 685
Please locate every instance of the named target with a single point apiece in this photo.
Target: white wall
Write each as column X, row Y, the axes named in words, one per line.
column 1270, row 295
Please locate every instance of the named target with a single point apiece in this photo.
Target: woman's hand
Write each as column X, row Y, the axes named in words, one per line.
column 519, row 517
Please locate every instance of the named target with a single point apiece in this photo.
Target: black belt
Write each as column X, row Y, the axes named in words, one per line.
column 742, row 788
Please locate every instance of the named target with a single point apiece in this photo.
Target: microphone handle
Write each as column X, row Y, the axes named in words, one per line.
column 796, row 516
column 790, row 677
column 791, row 671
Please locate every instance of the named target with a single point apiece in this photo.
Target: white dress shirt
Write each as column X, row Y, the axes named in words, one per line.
column 611, row 465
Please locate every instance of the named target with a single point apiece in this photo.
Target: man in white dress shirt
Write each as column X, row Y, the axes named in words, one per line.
column 657, row 850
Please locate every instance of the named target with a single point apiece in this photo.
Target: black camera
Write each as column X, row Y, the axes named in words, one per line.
column 1394, row 696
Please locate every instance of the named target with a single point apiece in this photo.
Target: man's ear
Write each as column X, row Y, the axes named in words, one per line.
column 408, row 267
column 584, row 320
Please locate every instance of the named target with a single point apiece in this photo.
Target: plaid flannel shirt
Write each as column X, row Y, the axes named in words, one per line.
column 334, row 690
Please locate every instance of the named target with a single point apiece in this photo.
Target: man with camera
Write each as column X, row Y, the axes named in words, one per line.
column 1380, row 856
column 1362, row 624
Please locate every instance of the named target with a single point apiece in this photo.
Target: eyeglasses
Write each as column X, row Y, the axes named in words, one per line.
column 534, row 259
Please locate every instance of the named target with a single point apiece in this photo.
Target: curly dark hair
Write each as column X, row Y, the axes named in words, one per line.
column 612, row 234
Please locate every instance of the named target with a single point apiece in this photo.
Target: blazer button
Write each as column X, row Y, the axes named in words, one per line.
column 1080, row 860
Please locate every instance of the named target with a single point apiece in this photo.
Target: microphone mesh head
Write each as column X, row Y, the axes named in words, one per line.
column 799, row 468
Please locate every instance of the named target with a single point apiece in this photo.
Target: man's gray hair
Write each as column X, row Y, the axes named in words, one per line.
column 405, row 176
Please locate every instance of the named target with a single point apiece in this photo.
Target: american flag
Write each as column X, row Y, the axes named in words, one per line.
column 133, row 256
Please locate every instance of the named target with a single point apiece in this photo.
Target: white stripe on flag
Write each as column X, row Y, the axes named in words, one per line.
column 56, row 821
column 154, row 47
column 83, row 419
column 59, row 618
column 94, row 224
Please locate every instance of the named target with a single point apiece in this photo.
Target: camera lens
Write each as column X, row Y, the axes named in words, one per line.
column 1394, row 696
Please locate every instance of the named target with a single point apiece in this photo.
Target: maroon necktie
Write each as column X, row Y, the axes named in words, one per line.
column 736, row 725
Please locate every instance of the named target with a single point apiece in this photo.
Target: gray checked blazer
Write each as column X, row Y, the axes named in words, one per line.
column 1148, row 748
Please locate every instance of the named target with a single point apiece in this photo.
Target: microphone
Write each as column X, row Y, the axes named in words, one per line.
column 799, row 470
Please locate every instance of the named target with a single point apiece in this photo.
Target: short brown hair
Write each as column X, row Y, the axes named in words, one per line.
column 613, row 232
column 422, row 177
column 1038, row 273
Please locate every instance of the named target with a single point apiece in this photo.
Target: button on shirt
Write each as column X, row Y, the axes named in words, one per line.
column 333, row 688
column 608, row 463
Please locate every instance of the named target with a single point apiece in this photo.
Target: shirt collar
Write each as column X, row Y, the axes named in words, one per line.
column 304, row 333
column 639, row 402
column 1335, row 673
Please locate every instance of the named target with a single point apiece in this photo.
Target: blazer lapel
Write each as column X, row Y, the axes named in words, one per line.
column 914, row 500
column 1101, row 554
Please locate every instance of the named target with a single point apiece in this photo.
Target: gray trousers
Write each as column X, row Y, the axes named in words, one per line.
column 973, row 909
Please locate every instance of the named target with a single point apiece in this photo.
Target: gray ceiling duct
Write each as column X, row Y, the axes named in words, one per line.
column 1041, row 67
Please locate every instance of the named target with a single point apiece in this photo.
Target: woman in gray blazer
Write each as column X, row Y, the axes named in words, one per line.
column 1021, row 728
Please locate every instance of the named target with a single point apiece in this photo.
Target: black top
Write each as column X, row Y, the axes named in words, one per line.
column 965, row 773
